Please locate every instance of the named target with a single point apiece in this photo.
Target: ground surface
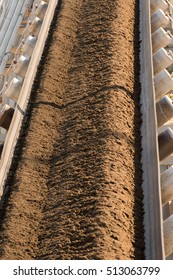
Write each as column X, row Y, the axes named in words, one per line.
column 74, row 189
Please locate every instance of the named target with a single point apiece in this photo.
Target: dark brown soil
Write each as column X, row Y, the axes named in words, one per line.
column 74, row 189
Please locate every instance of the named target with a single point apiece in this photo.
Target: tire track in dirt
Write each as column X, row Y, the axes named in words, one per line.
column 76, row 191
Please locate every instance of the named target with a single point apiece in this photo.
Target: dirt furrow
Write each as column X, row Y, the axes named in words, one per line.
column 74, row 189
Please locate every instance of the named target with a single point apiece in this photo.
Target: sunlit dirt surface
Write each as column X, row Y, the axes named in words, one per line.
column 74, row 188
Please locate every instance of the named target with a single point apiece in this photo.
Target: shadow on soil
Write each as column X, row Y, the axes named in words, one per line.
column 138, row 207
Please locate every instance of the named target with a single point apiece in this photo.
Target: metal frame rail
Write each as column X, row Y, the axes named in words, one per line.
column 157, row 128
column 150, row 156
